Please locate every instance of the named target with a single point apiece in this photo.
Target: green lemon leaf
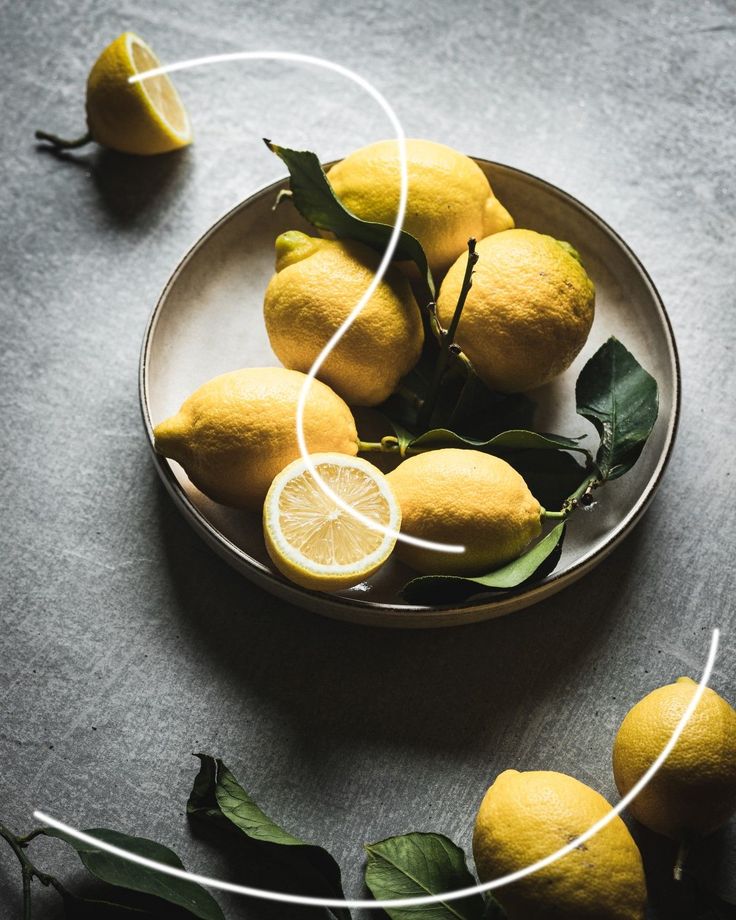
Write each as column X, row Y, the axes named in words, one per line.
column 220, row 804
column 620, row 398
column 190, row 897
column 537, row 562
column 79, row 908
column 316, row 201
column 514, row 439
column 552, row 475
column 416, row 865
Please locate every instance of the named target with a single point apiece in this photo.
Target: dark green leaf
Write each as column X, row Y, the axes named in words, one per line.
column 315, row 200
column 552, row 475
column 445, row 589
column 416, row 865
column 115, row 870
column 220, row 803
column 620, row 398
column 515, row 439
column 79, row 908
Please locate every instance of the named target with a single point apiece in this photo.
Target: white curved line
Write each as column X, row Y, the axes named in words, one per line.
column 233, row 888
column 381, row 271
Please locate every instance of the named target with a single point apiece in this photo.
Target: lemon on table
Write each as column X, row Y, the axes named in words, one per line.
column 317, row 284
column 527, row 816
column 468, row 498
column 316, row 543
column 528, row 313
column 144, row 118
column 449, row 200
column 694, row 792
column 238, row 430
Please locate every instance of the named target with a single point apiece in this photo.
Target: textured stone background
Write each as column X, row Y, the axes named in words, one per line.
column 125, row 643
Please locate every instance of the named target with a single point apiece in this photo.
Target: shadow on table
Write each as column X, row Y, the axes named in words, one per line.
column 437, row 690
column 128, row 186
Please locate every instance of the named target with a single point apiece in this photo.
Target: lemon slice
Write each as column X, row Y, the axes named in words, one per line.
column 144, row 118
column 316, row 543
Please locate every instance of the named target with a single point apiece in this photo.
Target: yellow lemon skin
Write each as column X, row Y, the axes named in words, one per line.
column 142, row 118
column 238, row 431
column 467, row 498
column 449, row 197
column 317, row 284
column 694, row 792
column 527, row 816
column 528, row 313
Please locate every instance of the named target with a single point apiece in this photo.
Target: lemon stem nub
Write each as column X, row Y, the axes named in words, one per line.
column 60, row 144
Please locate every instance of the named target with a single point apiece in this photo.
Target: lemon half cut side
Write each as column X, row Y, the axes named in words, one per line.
column 146, row 117
column 314, row 542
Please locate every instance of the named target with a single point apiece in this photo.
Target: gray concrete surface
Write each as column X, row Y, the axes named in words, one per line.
column 125, row 643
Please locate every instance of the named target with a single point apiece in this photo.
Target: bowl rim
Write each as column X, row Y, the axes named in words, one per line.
column 334, row 605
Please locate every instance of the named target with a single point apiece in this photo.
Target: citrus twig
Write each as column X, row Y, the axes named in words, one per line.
column 447, row 338
column 60, row 144
column 681, row 858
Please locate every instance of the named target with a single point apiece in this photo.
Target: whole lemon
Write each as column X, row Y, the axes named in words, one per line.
column 468, row 498
column 317, row 284
column 527, row 816
column 146, row 117
column 694, row 791
column 528, row 313
column 238, row 431
column 449, row 197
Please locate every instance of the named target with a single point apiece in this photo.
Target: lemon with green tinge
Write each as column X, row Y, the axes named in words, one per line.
column 467, row 498
column 527, row 816
column 146, row 117
column 238, row 431
column 528, row 313
column 317, row 543
column 449, row 197
column 317, row 284
column 694, row 791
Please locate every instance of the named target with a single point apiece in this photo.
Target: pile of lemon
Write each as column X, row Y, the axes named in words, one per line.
column 525, row 817
column 526, row 317
column 331, row 520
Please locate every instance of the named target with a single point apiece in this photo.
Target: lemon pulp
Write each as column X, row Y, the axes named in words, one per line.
column 160, row 90
column 315, row 542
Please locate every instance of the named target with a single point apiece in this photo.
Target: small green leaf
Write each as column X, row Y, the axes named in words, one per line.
column 220, row 803
column 515, row 439
column 620, row 398
column 115, row 870
column 537, row 562
column 416, row 865
column 316, row 201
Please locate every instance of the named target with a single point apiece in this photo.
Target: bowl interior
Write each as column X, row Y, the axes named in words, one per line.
column 209, row 320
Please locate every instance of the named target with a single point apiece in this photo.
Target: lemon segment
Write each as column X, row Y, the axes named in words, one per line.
column 141, row 118
column 316, row 543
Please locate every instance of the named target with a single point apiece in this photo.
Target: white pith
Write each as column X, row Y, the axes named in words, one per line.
column 298, row 558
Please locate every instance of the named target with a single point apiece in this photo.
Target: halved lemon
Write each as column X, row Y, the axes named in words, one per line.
column 144, row 118
column 316, row 543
